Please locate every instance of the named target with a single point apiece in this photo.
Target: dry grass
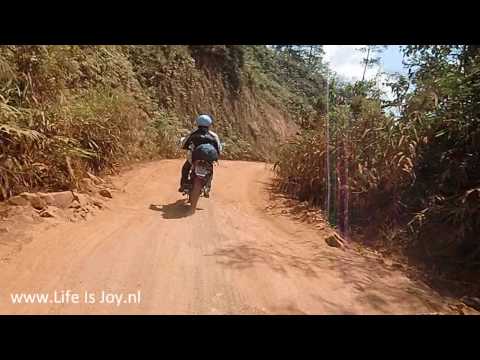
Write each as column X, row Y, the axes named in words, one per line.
column 66, row 110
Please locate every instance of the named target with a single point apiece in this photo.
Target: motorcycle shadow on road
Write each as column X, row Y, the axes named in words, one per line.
column 177, row 210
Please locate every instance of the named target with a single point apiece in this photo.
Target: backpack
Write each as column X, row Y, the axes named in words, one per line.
column 206, row 152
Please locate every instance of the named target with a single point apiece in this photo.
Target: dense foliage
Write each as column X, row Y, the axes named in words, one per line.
column 68, row 110
column 415, row 178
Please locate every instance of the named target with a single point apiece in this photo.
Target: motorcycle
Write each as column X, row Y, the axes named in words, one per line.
column 200, row 174
column 199, row 177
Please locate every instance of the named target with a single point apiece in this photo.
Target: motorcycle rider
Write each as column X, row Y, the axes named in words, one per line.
column 202, row 144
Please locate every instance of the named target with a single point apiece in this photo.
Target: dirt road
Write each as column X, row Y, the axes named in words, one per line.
column 232, row 257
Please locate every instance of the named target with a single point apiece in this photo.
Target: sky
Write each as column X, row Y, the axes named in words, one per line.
column 345, row 61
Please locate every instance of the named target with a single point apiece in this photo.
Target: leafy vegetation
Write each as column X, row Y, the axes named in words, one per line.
column 412, row 179
column 68, row 110
column 292, row 74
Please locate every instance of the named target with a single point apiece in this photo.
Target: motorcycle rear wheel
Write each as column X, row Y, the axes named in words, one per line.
column 195, row 193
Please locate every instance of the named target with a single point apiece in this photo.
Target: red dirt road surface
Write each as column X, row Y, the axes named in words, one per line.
column 232, row 257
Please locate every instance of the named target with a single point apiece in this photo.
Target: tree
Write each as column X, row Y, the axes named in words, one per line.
column 372, row 57
column 315, row 55
column 310, row 55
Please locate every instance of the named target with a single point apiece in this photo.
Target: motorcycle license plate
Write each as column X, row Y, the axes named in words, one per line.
column 201, row 171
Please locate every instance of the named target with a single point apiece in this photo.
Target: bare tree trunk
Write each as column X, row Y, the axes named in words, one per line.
column 366, row 63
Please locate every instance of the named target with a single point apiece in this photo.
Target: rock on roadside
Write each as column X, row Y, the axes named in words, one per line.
column 60, row 199
column 28, row 199
column 18, row 201
column 105, row 193
column 334, row 241
column 35, row 200
column 50, row 212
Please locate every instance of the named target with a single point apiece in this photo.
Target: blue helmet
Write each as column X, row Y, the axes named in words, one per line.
column 204, row 120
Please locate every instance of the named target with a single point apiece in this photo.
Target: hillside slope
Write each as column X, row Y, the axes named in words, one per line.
column 68, row 110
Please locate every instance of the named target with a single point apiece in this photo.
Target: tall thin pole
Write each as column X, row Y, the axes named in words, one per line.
column 327, row 152
column 346, row 184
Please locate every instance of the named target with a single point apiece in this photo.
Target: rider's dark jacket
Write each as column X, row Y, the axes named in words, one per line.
column 202, row 136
